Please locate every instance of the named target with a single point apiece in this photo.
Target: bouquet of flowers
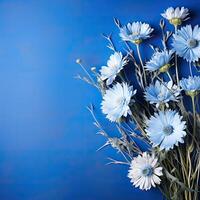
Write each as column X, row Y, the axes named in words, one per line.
column 156, row 110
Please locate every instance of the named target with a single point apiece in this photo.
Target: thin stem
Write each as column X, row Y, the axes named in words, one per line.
column 169, row 76
column 140, row 81
column 194, row 114
column 86, row 72
column 176, row 63
column 189, row 165
column 111, row 45
column 197, row 185
column 113, row 161
column 98, row 125
column 190, row 67
column 124, row 156
column 121, row 77
column 161, row 81
column 138, row 124
column 141, row 62
column 163, row 39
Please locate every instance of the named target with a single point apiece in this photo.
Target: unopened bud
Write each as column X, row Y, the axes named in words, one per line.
column 93, row 69
column 78, row 61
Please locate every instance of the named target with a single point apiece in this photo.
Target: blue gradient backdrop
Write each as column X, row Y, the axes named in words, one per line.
column 47, row 140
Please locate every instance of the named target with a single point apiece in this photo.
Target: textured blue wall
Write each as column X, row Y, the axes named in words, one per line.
column 47, row 140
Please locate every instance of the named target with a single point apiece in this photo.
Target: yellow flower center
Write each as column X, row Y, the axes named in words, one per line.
column 138, row 41
column 165, row 68
column 175, row 21
column 192, row 93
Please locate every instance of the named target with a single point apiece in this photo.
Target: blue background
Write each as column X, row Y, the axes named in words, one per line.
column 47, row 140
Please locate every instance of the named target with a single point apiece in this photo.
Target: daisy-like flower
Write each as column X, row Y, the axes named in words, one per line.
column 166, row 129
column 176, row 16
column 160, row 61
column 191, row 85
column 186, row 43
column 161, row 93
column 116, row 101
column 114, row 66
column 145, row 171
column 135, row 32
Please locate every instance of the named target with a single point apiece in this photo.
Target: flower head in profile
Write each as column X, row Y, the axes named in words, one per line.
column 145, row 171
column 161, row 93
column 176, row 16
column 186, row 43
column 160, row 61
column 135, row 32
column 191, row 85
column 114, row 66
column 116, row 101
column 166, row 129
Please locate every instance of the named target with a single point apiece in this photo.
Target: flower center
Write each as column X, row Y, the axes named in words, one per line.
column 148, row 171
column 165, row 68
column 192, row 93
column 137, row 41
column 175, row 21
column 168, row 130
column 192, row 43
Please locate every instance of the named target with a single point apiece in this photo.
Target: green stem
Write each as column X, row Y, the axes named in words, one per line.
column 141, row 62
column 176, row 63
column 194, row 115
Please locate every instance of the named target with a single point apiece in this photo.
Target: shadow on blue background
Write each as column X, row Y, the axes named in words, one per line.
column 48, row 143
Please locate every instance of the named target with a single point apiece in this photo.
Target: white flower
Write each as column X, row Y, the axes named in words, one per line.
column 176, row 16
column 166, row 129
column 114, row 66
column 116, row 101
column 135, row 32
column 145, row 171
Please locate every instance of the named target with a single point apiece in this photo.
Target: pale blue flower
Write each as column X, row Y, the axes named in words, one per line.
column 135, row 32
column 186, row 43
column 166, row 129
column 161, row 93
column 115, row 64
column 191, row 85
column 160, row 61
column 116, row 101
